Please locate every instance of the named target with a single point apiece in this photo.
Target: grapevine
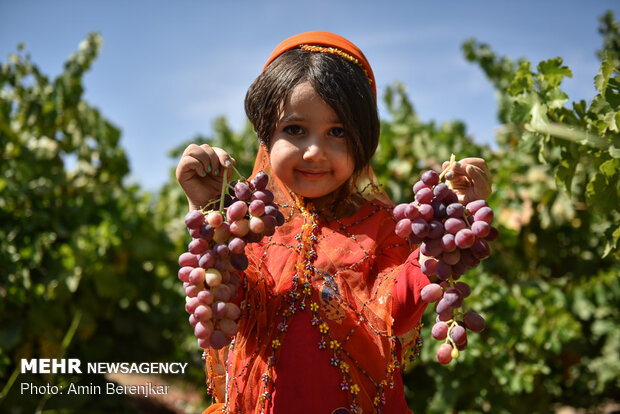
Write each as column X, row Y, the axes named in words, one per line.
column 453, row 238
column 211, row 269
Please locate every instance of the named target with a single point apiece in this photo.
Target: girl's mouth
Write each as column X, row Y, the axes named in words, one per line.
column 313, row 174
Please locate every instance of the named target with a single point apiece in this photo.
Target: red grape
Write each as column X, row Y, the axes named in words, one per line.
column 194, row 219
column 473, row 206
column 444, row 354
column 236, row 211
column 480, row 229
column 474, row 322
column 440, row 330
column 458, row 334
column 428, row 267
column 243, row 192
column 257, row 208
column 484, row 214
column 419, row 227
column 453, row 225
column 260, row 181
column 429, row 178
column 399, row 211
column 403, row 228
column 431, row 293
column 424, row 195
column 188, row 259
column 464, row 238
column 418, row 186
column 184, row 273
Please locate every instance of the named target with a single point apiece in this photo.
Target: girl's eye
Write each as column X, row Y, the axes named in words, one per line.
column 336, row 132
column 293, row 130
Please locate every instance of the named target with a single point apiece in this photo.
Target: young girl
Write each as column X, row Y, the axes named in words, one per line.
column 331, row 301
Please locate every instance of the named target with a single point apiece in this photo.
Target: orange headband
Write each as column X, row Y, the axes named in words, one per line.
column 326, row 42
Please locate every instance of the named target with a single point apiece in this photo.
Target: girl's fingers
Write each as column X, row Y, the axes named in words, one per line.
column 187, row 168
column 193, row 161
column 224, row 159
column 470, row 177
column 209, row 159
column 206, row 159
column 481, row 180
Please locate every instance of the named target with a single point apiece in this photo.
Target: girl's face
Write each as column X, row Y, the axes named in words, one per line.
column 309, row 145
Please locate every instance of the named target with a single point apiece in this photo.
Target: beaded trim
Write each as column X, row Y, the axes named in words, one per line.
column 337, row 52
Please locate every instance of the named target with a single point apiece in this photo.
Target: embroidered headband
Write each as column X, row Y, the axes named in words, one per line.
column 326, row 42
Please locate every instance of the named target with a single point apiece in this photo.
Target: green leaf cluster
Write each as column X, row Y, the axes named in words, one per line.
column 580, row 141
column 85, row 269
column 551, row 289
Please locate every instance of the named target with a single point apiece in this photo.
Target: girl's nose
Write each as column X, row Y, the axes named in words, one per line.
column 314, row 150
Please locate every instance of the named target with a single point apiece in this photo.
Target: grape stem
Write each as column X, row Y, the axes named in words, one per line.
column 445, row 171
column 224, row 184
column 465, row 218
column 241, row 177
column 453, row 323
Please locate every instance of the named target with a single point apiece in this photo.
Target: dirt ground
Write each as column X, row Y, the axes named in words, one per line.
column 181, row 398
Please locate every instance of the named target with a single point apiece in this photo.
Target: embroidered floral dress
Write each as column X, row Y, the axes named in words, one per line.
column 323, row 301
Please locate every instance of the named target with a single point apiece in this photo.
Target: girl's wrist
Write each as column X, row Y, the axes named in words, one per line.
column 195, row 204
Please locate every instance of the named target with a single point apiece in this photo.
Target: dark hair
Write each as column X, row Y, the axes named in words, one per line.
column 340, row 83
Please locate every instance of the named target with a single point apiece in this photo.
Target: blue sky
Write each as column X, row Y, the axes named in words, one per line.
column 167, row 69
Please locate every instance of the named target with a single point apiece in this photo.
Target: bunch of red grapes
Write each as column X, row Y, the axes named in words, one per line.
column 453, row 238
column 211, row 268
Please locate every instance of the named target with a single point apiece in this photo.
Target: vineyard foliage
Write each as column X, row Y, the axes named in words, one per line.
column 88, row 261
column 86, row 271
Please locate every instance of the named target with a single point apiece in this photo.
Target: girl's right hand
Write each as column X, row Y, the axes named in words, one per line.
column 200, row 172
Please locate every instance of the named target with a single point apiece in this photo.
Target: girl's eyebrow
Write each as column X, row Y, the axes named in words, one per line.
column 291, row 118
column 298, row 118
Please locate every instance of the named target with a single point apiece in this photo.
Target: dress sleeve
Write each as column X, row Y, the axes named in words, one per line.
column 407, row 305
column 394, row 253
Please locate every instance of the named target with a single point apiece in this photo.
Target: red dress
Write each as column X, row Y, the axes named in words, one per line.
column 324, row 304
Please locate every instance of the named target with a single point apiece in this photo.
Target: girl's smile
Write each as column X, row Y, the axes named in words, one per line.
column 309, row 149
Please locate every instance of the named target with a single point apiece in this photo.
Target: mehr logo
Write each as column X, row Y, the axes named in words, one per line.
column 51, row 366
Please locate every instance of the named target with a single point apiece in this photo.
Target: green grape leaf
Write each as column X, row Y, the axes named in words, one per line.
column 522, row 80
column 601, row 190
column 539, row 120
column 605, row 115
column 616, row 236
column 612, row 93
column 610, row 168
column 521, row 106
column 602, row 78
column 580, row 108
column 556, row 98
column 566, row 172
column 613, row 235
column 551, row 72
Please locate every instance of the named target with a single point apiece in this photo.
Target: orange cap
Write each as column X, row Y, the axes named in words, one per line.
column 326, row 39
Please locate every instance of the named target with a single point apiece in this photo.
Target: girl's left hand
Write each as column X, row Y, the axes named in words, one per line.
column 470, row 179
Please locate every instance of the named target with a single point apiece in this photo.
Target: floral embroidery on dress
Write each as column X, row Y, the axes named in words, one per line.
column 331, row 301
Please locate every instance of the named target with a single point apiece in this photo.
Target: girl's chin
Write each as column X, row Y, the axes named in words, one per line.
column 319, row 196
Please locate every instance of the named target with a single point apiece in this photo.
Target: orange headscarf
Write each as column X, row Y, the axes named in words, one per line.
column 347, row 249
column 328, row 40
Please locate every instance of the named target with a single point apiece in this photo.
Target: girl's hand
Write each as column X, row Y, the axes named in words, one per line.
column 470, row 179
column 200, row 172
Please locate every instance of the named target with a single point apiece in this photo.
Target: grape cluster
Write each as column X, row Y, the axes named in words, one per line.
column 453, row 238
column 216, row 255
